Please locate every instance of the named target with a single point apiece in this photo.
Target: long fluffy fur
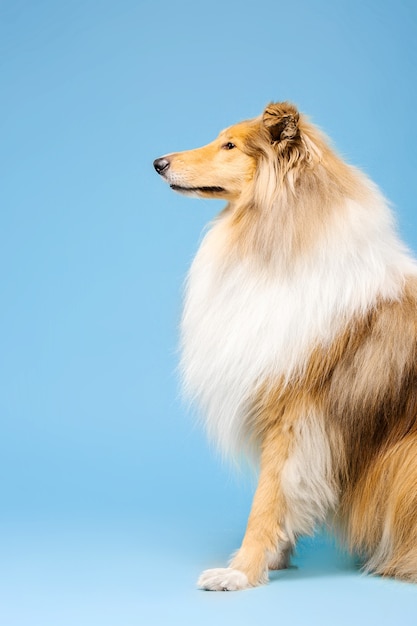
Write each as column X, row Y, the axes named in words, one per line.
column 299, row 341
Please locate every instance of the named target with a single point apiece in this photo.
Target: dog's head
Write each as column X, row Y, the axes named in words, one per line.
column 226, row 167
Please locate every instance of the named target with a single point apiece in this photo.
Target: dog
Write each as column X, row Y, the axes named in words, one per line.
column 299, row 343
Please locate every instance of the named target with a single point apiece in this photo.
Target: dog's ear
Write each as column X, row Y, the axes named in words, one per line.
column 281, row 121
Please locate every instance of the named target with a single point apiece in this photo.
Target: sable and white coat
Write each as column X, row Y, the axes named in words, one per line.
column 299, row 341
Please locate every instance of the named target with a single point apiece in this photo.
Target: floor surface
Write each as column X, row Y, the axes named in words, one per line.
column 122, row 574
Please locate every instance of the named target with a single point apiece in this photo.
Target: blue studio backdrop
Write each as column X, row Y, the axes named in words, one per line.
column 111, row 499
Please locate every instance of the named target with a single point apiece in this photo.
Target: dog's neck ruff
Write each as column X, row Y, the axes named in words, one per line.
column 243, row 327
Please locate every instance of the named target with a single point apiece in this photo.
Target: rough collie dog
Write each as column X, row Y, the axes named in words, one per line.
column 299, row 340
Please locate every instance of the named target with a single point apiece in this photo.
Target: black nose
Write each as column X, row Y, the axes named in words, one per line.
column 161, row 165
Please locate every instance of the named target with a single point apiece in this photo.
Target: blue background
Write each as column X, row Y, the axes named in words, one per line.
column 111, row 500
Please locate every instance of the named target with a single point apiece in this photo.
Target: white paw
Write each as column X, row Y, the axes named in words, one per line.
column 223, row 579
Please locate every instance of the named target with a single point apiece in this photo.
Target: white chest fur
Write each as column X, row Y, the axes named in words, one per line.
column 243, row 325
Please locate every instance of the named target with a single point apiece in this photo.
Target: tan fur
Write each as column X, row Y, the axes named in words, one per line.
column 357, row 386
column 356, row 395
column 274, row 419
column 308, row 171
column 382, row 515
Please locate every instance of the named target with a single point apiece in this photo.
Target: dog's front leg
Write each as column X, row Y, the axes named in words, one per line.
column 265, row 542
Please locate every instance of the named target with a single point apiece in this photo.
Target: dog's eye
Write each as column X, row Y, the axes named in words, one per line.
column 229, row 146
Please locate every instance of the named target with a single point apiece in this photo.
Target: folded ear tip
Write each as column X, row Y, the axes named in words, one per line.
column 281, row 109
column 281, row 119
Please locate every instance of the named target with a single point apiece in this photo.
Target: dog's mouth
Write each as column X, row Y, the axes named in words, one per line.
column 213, row 189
